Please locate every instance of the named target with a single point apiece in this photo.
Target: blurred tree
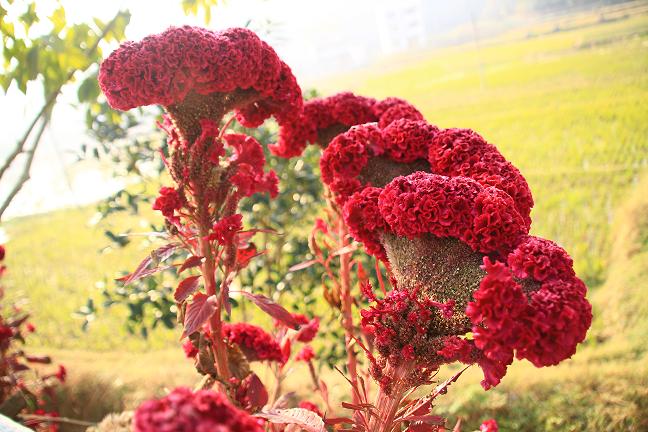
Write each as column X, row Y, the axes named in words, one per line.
column 52, row 56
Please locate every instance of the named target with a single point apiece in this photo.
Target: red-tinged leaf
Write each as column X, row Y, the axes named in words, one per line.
column 129, row 279
column 430, row 419
column 186, row 288
column 39, row 359
column 305, row 419
column 445, row 384
column 225, row 296
column 201, row 308
column 338, row 420
column 302, row 265
column 161, row 254
column 273, row 309
column 285, row 350
column 155, row 257
column 422, row 427
column 137, row 274
column 191, row 262
column 324, row 391
column 357, row 407
column 345, row 250
column 254, row 394
column 244, row 255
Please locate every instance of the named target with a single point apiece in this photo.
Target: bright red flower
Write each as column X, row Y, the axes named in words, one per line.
column 306, row 354
column 489, row 426
column 308, row 329
column 61, row 373
column 185, row 411
column 168, row 202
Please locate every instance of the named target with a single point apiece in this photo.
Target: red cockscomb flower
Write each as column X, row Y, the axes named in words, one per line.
column 256, row 344
column 183, row 410
column 168, row 67
column 323, row 118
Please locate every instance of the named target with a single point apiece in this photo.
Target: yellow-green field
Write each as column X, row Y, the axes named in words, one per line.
column 568, row 108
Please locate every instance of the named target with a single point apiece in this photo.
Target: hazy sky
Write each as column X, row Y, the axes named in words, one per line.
column 300, row 30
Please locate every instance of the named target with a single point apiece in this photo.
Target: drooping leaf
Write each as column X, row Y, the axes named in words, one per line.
column 307, row 420
column 192, row 261
column 273, row 309
column 201, row 308
column 256, row 395
column 156, row 257
column 185, row 288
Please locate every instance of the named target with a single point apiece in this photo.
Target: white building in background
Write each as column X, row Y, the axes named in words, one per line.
column 401, row 25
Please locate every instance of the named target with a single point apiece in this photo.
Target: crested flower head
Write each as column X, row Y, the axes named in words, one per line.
column 196, row 74
column 256, row 344
column 325, row 118
column 201, row 411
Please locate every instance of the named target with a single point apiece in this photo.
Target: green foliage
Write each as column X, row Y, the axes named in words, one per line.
column 53, row 56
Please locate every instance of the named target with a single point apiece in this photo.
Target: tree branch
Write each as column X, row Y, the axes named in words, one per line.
column 26, row 168
column 49, row 102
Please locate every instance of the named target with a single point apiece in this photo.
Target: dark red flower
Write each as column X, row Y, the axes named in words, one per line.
column 225, row 229
column 168, row 202
column 165, row 68
column 2, row 252
column 185, row 411
column 483, row 217
column 189, row 349
column 61, row 373
column 256, row 344
column 323, row 117
column 462, row 152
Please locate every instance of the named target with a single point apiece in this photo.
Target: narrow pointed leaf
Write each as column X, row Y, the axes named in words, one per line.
column 186, row 288
column 273, row 309
column 302, row 265
column 192, row 261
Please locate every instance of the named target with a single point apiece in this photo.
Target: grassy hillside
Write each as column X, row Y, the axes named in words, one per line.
column 568, row 108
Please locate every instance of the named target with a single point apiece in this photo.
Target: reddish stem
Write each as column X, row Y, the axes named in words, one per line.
column 218, row 345
column 387, row 404
column 347, row 301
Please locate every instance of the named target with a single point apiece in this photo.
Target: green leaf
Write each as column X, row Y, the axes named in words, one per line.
column 88, row 90
column 32, row 63
column 58, row 20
